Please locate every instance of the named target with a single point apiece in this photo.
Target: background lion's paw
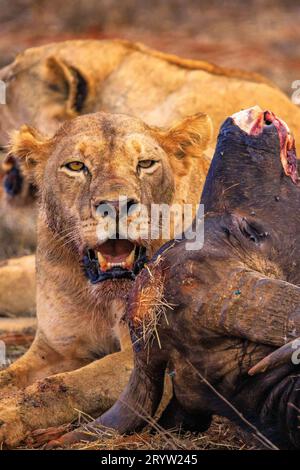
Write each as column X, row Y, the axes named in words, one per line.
column 12, row 429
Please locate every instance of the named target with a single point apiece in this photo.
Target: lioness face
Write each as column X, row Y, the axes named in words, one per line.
column 98, row 175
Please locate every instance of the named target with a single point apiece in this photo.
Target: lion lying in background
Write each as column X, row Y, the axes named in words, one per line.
column 50, row 84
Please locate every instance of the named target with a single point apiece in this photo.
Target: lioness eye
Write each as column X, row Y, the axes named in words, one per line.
column 146, row 163
column 75, row 166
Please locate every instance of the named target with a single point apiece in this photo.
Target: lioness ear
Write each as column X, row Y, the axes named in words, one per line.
column 68, row 83
column 189, row 138
column 30, row 149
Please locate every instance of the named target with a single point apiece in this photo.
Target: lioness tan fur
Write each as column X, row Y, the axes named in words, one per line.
column 79, row 322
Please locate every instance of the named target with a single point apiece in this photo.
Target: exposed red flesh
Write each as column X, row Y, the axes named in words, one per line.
column 287, row 142
column 258, row 125
column 287, row 146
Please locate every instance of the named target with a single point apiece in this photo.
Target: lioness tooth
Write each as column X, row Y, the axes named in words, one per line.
column 105, row 265
column 102, row 261
column 113, row 265
column 130, row 259
column 7, row 166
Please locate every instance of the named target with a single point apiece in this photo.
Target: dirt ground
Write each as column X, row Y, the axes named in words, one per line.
column 257, row 35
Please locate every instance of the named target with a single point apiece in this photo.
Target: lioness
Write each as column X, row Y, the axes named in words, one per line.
column 50, row 84
column 91, row 161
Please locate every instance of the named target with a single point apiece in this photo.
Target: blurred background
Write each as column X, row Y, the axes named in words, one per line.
column 258, row 35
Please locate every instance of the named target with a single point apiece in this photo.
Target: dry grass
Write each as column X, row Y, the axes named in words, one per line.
column 222, row 435
column 149, row 306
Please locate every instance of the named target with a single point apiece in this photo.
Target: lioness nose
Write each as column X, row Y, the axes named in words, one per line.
column 119, row 207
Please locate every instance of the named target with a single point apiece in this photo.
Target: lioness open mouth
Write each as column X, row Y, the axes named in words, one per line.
column 114, row 259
